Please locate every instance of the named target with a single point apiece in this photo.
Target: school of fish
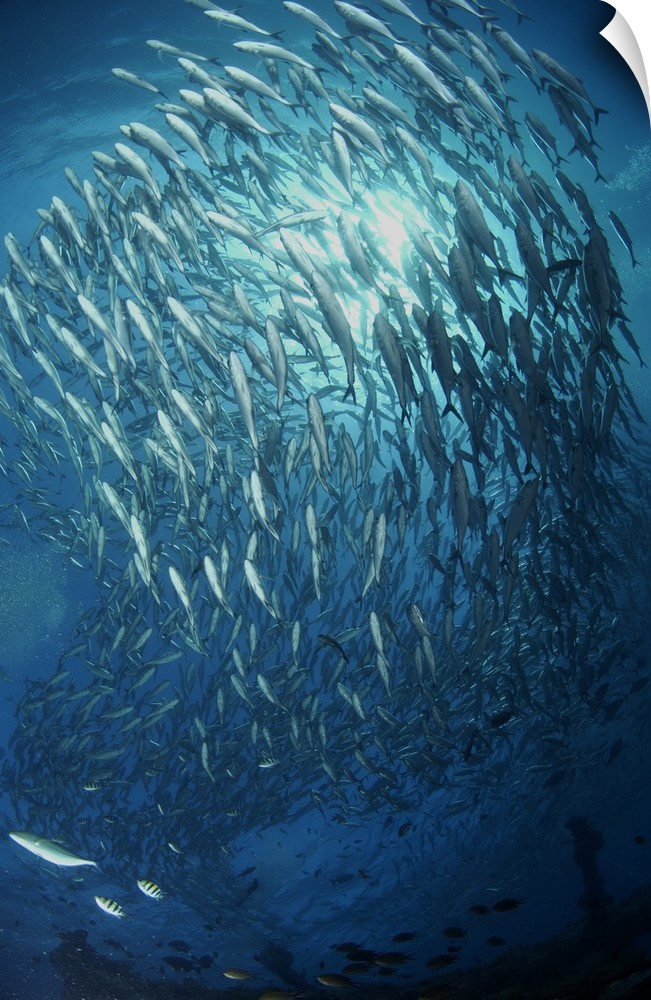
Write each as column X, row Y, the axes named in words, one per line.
column 323, row 377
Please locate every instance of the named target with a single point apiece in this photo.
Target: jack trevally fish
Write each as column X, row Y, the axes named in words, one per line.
column 48, row 850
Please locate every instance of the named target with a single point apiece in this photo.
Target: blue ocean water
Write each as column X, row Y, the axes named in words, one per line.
column 274, row 872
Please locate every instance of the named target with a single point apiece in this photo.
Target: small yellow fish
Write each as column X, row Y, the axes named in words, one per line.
column 109, row 906
column 277, row 995
column 238, row 974
column 150, row 888
column 335, row 981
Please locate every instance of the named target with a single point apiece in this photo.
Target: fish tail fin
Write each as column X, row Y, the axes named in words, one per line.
column 350, row 391
column 449, row 408
column 487, row 19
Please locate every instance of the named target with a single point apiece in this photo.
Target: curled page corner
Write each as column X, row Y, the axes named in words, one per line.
column 631, row 18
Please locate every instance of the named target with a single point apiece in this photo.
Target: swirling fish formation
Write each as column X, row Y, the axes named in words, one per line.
column 324, row 380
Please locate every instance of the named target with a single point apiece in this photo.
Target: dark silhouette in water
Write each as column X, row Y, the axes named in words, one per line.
column 279, row 960
column 586, row 844
column 576, row 965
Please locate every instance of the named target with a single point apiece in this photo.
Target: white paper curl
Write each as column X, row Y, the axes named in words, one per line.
column 629, row 33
